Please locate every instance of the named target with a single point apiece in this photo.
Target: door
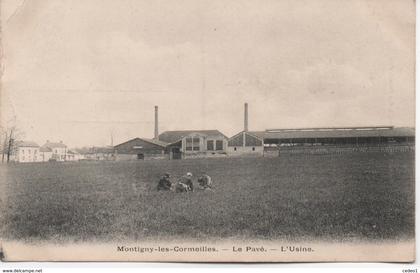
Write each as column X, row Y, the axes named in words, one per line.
column 176, row 153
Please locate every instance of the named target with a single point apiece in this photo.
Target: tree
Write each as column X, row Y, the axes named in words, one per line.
column 11, row 136
column 4, row 141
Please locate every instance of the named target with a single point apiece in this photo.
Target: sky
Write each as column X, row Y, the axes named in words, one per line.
column 81, row 71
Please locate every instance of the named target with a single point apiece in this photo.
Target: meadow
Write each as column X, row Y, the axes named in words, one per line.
column 353, row 196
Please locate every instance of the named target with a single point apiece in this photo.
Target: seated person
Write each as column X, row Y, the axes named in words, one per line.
column 187, row 180
column 205, row 181
column 180, row 187
column 165, row 183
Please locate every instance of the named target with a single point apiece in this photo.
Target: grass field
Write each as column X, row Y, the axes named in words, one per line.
column 331, row 197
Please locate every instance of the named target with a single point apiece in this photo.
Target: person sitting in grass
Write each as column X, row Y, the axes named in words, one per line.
column 180, row 187
column 165, row 183
column 204, row 181
column 187, row 180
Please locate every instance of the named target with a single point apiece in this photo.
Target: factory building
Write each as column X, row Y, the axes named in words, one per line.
column 194, row 143
column 140, row 149
column 173, row 145
column 246, row 143
column 271, row 142
column 339, row 136
column 277, row 141
column 183, row 144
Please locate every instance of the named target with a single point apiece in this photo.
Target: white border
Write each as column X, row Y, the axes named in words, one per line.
column 243, row 268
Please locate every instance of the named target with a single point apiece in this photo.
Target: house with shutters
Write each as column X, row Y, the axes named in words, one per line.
column 26, row 151
column 54, row 151
column 45, row 154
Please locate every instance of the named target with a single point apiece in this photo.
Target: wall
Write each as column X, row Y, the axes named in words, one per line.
column 59, row 154
column 204, row 155
column 271, row 151
column 203, row 145
column 45, row 156
column 27, row 154
column 245, row 151
column 339, row 149
column 125, row 157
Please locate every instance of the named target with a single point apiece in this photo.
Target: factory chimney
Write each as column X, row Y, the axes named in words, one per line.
column 156, row 124
column 246, row 117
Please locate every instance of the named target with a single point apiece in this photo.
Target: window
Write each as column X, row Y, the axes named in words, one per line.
column 391, row 139
column 253, row 148
column 234, row 149
column 219, row 145
column 196, row 141
column 188, row 144
column 252, row 141
column 192, row 144
column 210, row 145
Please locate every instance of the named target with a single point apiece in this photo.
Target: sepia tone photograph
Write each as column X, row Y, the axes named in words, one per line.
column 207, row 131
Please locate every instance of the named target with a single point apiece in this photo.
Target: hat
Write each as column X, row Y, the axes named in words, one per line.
column 167, row 174
column 189, row 174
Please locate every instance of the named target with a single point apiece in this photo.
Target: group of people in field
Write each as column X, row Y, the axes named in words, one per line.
column 185, row 183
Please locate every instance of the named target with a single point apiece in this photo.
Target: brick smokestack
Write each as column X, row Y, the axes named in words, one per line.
column 246, row 117
column 156, row 123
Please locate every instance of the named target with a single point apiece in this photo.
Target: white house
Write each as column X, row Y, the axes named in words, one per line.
column 26, row 151
column 45, row 154
column 56, row 151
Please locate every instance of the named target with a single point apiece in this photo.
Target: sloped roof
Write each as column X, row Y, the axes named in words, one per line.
column 335, row 132
column 26, row 144
column 156, row 141
column 153, row 141
column 175, row 144
column 257, row 134
column 54, row 145
column 45, row 149
column 173, row 136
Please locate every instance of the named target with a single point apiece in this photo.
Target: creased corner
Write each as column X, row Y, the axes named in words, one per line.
column 16, row 11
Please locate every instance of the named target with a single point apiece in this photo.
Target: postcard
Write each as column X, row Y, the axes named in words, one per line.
column 207, row 131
